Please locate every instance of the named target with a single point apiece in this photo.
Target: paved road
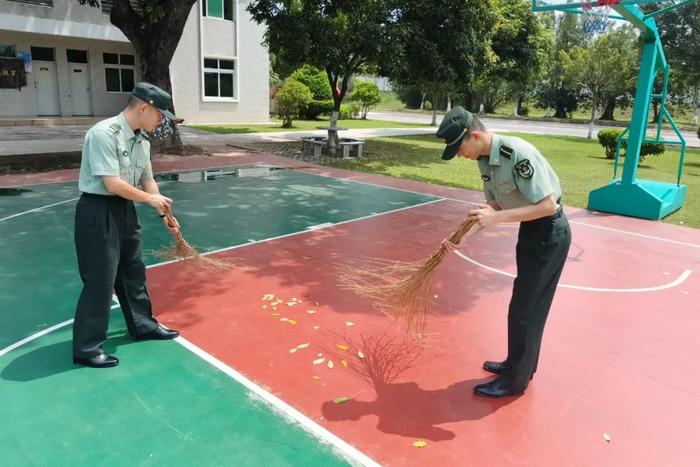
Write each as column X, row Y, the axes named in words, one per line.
column 68, row 138
column 523, row 126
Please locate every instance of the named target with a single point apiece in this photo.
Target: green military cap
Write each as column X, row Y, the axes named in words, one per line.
column 454, row 126
column 152, row 94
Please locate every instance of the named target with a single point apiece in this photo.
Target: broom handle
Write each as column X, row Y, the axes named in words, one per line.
column 171, row 222
column 455, row 238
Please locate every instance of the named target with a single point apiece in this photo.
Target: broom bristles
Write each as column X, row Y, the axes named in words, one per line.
column 400, row 289
column 182, row 250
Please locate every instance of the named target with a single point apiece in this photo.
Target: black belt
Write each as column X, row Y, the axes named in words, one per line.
column 96, row 195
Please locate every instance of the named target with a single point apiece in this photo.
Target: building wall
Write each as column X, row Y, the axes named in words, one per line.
column 214, row 38
column 23, row 103
column 202, row 37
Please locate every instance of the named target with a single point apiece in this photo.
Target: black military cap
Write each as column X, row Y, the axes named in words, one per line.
column 152, row 94
column 454, row 126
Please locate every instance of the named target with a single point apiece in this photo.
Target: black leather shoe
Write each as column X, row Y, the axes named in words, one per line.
column 101, row 360
column 495, row 367
column 159, row 334
column 494, row 389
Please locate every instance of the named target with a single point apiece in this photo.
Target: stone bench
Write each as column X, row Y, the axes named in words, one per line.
column 348, row 147
column 313, row 145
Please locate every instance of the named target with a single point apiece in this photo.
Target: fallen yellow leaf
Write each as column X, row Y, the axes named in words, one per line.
column 291, row 303
column 292, row 350
column 275, row 315
column 320, row 354
column 330, row 364
column 284, row 319
column 303, row 346
column 606, row 437
column 360, row 354
column 317, row 327
column 317, row 378
column 292, row 322
column 419, row 444
column 268, row 297
column 349, row 323
column 342, row 347
column 340, row 400
column 318, row 361
column 311, row 312
column 344, row 363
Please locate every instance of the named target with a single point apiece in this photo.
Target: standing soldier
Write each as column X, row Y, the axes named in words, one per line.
column 115, row 160
column 520, row 186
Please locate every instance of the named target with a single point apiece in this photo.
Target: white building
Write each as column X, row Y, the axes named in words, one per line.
column 78, row 64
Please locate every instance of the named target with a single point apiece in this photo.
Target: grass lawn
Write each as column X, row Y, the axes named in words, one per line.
column 580, row 164
column 302, row 125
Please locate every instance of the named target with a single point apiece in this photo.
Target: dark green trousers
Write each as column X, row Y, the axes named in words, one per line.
column 108, row 244
column 541, row 252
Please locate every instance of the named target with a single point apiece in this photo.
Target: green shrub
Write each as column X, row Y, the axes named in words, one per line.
column 291, row 100
column 349, row 111
column 316, row 80
column 316, row 108
column 651, row 149
column 367, row 95
column 608, row 139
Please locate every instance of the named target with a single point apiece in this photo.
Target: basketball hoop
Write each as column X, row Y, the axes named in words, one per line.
column 595, row 17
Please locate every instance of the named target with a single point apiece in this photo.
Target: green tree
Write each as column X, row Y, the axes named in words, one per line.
column 680, row 33
column 338, row 36
column 154, row 28
column 441, row 46
column 594, row 69
column 291, row 99
column 519, row 46
column 367, row 95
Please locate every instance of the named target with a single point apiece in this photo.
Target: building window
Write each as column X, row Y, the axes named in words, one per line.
column 36, row 2
column 119, row 72
column 218, row 78
column 76, row 56
column 218, row 9
column 43, row 54
column 7, row 50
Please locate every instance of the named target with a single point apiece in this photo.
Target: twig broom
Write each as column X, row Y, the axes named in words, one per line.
column 402, row 290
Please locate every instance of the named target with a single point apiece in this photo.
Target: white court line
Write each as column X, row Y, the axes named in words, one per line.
column 682, row 278
column 37, row 209
column 251, row 242
column 635, row 234
column 39, row 334
column 293, row 414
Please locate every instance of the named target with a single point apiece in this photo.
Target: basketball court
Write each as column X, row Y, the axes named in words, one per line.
column 249, row 383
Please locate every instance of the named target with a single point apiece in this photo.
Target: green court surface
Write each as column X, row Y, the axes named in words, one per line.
column 163, row 405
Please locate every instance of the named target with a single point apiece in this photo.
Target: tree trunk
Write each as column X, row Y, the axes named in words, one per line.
column 449, row 103
column 655, row 106
column 155, row 44
column 594, row 116
column 608, row 109
column 516, row 106
column 696, row 107
column 434, row 122
column 548, row 113
column 481, row 108
column 422, row 101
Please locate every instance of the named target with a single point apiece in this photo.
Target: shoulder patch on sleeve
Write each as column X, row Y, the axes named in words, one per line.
column 524, row 168
column 115, row 127
column 506, row 152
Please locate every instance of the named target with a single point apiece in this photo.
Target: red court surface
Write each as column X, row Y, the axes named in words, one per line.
column 619, row 354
